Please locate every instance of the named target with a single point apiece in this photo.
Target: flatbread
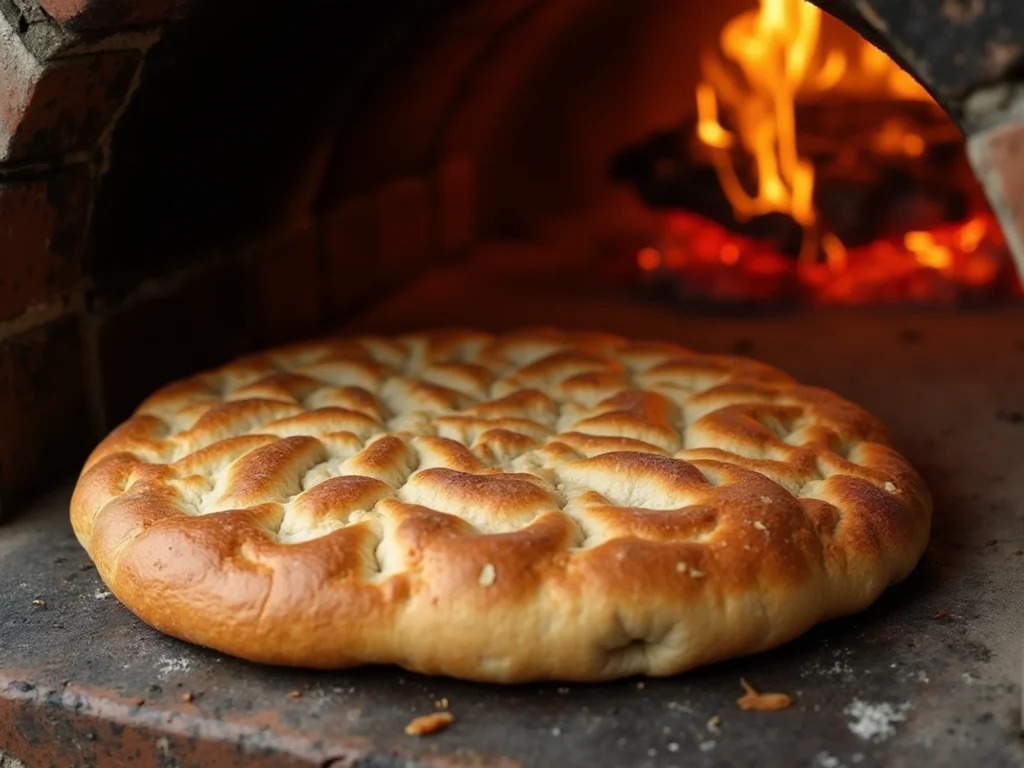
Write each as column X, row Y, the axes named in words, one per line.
column 535, row 505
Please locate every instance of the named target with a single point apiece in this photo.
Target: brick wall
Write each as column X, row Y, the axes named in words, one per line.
column 61, row 90
column 96, row 310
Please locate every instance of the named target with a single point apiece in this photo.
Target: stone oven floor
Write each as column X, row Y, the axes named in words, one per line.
column 930, row 676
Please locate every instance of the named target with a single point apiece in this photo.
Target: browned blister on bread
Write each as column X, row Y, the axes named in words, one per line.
column 535, row 505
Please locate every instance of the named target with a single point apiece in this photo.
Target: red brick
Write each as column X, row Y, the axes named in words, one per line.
column 43, row 403
column 78, row 15
column 288, row 286
column 43, row 224
column 50, row 108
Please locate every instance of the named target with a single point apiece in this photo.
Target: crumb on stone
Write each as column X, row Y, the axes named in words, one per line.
column 762, row 702
column 428, row 724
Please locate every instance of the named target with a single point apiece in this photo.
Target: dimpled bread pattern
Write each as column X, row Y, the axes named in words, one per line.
column 535, row 505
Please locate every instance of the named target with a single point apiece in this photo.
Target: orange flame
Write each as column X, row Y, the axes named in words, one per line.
column 776, row 48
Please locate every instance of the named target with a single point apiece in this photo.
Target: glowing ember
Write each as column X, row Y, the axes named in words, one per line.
column 928, row 252
column 956, row 262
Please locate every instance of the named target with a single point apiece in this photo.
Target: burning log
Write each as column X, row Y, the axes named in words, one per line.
column 882, row 169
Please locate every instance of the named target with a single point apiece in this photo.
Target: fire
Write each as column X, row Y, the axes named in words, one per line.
column 773, row 49
column 768, row 59
column 776, row 48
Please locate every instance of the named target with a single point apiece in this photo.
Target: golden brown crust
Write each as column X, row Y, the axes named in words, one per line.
column 540, row 504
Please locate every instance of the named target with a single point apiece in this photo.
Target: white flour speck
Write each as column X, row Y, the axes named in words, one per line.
column 825, row 760
column 168, row 665
column 840, row 668
column 874, row 722
column 101, row 594
column 968, row 678
column 707, row 746
column 680, row 706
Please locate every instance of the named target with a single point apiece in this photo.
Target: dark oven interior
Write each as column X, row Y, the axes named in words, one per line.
column 180, row 183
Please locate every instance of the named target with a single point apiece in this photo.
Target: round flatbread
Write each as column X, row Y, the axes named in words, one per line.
column 535, row 505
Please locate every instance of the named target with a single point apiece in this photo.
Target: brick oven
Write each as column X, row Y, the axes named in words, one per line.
column 185, row 180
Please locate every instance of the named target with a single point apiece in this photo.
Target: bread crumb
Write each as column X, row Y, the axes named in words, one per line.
column 890, row 487
column 673, row 746
column 441, row 703
column 715, row 725
column 39, row 602
column 487, row 575
column 762, row 702
column 640, row 686
column 941, row 615
column 681, row 567
column 695, row 574
column 760, row 526
column 295, row 694
column 186, row 697
column 556, row 731
column 428, row 724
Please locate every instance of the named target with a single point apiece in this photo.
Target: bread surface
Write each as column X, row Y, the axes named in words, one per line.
column 534, row 505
